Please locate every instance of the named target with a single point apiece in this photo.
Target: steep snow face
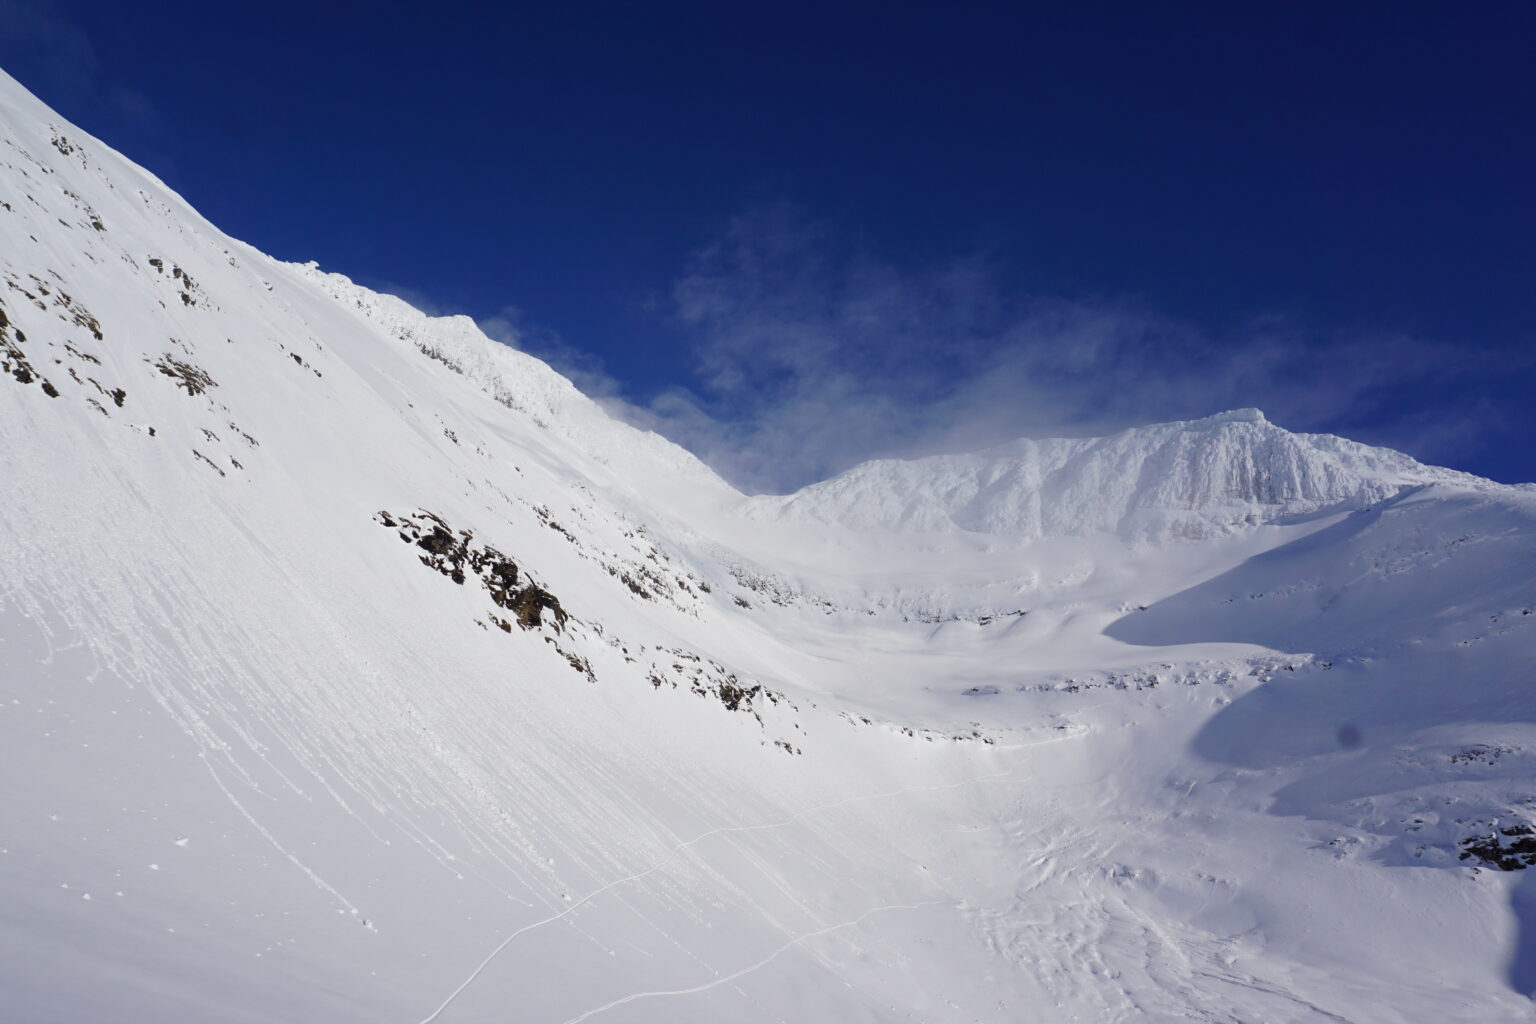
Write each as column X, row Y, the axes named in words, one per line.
column 528, row 386
column 356, row 668
column 1175, row 480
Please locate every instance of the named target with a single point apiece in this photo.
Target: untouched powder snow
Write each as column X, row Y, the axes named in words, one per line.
column 354, row 667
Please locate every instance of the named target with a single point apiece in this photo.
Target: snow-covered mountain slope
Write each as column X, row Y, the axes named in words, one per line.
column 1191, row 480
column 356, row 668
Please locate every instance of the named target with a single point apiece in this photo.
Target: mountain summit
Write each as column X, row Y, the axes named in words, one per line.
column 1188, row 479
column 358, row 668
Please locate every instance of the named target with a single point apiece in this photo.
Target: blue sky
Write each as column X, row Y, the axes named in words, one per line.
column 796, row 236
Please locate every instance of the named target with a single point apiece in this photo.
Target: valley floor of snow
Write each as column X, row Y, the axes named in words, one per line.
column 356, row 668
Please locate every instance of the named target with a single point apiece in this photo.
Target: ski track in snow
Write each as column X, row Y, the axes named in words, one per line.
column 288, row 854
column 679, row 848
column 765, row 961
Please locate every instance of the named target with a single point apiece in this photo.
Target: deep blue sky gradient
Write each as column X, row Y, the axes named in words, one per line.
column 1357, row 167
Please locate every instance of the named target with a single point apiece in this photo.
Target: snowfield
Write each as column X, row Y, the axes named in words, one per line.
column 354, row 667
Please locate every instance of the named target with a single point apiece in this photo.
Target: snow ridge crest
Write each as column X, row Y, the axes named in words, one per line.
column 1182, row 480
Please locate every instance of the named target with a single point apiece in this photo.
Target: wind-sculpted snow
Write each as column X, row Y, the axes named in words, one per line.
column 1176, row 480
column 1200, row 721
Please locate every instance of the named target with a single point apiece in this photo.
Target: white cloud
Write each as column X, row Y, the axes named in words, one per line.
column 813, row 356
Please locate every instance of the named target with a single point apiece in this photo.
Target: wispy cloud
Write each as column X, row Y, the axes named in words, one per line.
column 812, row 355
column 511, row 326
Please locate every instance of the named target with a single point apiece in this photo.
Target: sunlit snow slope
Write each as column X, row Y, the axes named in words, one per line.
column 356, row 668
